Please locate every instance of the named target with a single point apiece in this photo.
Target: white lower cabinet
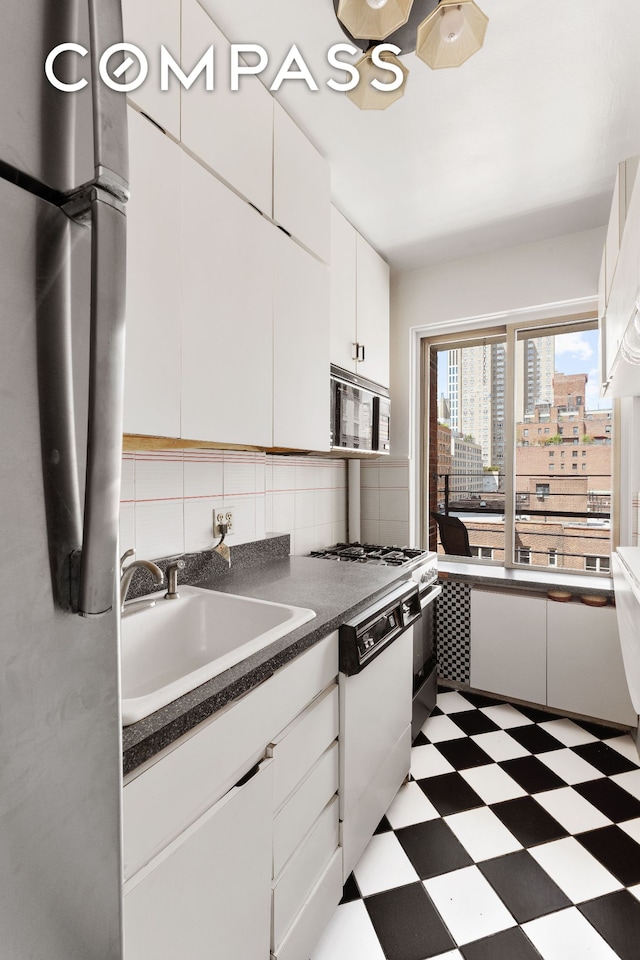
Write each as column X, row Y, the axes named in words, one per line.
column 186, row 903
column 231, row 841
column 508, row 645
column 584, row 663
column 563, row 655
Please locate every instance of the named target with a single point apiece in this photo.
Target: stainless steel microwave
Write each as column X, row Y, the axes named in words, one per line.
column 360, row 413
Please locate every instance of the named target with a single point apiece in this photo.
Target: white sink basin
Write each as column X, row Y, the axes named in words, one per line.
column 174, row 646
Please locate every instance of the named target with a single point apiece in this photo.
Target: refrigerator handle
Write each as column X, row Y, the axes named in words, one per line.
column 98, row 558
column 110, row 148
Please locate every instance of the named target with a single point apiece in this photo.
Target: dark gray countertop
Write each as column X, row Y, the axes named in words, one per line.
column 336, row 591
column 496, row 577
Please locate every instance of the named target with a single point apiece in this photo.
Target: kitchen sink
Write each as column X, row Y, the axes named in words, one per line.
column 172, row 647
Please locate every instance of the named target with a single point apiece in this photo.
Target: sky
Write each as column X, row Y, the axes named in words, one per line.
column 574, row 353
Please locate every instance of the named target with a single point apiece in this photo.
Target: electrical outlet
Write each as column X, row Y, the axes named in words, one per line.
column 228, row 519
column 218, row 518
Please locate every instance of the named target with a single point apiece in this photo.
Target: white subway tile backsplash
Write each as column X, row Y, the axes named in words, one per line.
column 127, row 478
column 394, row 473
column 203, row 476
column 198, row 523
column 159, row 476
column 370, row 503
column 394, row 504
column 127, row 527
column 370, row 531
column 169, row 498
column 305, row 508
column 394, row 533
column 369, row 475
column 159, row 528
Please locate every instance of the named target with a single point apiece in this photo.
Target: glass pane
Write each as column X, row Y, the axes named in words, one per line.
column 468, row 482
column 562, row 510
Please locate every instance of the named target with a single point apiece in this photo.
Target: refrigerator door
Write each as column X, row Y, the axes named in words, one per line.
column 60, row 856
column 58, row 139
column 45, row 133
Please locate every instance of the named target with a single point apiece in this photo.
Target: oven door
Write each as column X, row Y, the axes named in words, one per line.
column 425, row 671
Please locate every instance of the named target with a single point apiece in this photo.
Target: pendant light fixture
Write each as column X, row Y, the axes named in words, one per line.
column 451, row 34
column 367, row 97
column 373, row 19
column 443, row 34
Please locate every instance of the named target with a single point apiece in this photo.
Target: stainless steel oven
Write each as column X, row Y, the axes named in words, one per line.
column 360, row 413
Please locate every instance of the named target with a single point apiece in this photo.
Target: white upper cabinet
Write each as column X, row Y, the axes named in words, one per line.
column 343, row 292
column 301, row 408
column 359, row 303
column 301, row 186
column 622, row 285
column 372, row 310
column 227, row 269
column 231, row 132
column 153, row 304
column 148, row 25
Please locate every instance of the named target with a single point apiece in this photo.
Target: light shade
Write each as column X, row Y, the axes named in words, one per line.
column 451, row 34
column 373, row 21
column 367, row 97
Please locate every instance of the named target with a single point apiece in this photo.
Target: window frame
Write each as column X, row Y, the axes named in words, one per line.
column 472, row 334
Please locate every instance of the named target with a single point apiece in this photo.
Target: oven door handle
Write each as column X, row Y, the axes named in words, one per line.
column 430, row 596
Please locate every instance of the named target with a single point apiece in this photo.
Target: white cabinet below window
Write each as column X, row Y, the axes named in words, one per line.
column 564, row 655
column 508, row 645
column 301, row 409
column 359, row 303
column 584, row 663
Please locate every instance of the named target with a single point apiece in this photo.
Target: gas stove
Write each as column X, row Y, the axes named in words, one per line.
column 384, row 556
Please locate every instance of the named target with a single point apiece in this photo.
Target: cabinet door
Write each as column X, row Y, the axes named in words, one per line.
column 153, row 305
column 586, row 673
column 343, row 291
column 301, row 409
column 148, row 25
column 508, row 645
column 372, row 299
column 227, row 266
column 301, row 186
column 209, row 893
column 230, row 131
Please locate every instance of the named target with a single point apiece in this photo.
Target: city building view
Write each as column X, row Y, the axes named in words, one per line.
column 562, row 458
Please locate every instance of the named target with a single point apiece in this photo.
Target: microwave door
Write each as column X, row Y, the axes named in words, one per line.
column 354, row 417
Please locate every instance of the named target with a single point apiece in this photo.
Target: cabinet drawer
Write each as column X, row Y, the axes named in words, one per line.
column 304, row 870
column 298, row 747
column 166, row 797
column 311, row 921
column 200, row 890
column 304, row 807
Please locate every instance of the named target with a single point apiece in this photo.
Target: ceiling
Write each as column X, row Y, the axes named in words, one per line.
column 518, row 144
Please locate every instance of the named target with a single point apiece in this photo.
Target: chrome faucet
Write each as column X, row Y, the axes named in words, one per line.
column 128, row 572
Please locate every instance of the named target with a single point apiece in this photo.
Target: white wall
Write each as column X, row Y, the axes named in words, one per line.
column 562, row 269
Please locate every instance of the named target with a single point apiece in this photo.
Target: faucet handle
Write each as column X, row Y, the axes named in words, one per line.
column 127, row 555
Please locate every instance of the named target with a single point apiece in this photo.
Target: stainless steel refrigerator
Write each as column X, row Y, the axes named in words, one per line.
column 63, row 184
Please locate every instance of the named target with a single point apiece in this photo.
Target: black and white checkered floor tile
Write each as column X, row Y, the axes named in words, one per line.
column 518, row 837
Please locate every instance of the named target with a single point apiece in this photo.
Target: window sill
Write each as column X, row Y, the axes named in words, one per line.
column 486, row 575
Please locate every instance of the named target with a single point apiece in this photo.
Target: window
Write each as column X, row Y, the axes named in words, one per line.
column 485, row 552
column 508, row 489
column 597, row 564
